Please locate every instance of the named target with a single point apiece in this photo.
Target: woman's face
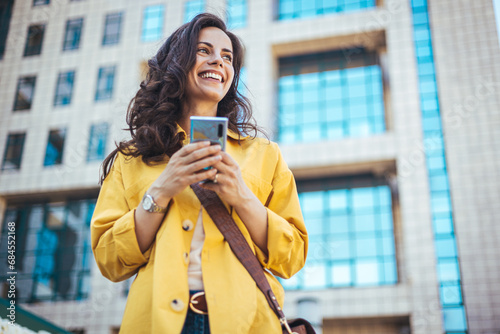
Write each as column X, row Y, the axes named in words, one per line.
column 213, row 72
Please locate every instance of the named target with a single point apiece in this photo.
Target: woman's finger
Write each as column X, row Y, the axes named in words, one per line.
column 190, row 148
column 218, row 179
column 227, row 165
column 205, row 175
column 228, row 159
column 201, row 153
column 196, row 166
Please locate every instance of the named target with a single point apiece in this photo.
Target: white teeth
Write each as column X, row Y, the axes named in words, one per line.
column 212, row 75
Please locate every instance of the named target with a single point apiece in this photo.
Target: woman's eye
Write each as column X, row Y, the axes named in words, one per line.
column 203, row 50
column 228, row 57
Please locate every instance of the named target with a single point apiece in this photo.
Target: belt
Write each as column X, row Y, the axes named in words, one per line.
column 198, row 303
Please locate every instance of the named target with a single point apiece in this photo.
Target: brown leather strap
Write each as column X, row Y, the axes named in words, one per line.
column 226, row 225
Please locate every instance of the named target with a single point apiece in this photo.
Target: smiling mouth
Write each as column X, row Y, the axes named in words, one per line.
column 211, row 75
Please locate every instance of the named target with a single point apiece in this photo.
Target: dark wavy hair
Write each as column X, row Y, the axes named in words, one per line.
column 153, row 113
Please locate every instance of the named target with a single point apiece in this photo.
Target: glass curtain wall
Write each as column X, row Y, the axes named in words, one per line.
column 294, row 9
column 351, row 234
column 329, row 96
column 448, row 264
column 53, row 251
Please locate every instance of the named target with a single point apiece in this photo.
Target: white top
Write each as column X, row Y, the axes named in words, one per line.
column 195, row 280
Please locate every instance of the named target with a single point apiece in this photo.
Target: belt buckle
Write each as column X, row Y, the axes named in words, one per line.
column 193, row 302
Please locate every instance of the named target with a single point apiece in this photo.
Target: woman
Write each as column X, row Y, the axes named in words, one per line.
column 148, row 221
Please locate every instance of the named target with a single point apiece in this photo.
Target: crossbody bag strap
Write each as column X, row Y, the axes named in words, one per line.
column 226, row 225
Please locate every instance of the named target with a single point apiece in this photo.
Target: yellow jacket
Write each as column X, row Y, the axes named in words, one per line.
column 158, row 297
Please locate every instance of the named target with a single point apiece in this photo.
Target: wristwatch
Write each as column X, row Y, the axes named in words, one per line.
column 149, row 204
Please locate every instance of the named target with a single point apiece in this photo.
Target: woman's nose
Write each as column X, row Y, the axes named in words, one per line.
column 216, row 60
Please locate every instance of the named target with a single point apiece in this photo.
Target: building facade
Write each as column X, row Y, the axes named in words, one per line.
column 387, row 112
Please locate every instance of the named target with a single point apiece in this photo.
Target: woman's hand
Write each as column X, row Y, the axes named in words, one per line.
column 185, row 168
column 229, row 184
column 232, row 189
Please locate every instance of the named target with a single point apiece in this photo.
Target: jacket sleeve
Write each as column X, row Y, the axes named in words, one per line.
column 114, row 241
column 287, row 236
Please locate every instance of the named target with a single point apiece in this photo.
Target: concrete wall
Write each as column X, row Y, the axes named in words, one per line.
column 467, row 58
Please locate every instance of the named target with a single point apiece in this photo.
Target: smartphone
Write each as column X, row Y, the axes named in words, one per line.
column 213, row 129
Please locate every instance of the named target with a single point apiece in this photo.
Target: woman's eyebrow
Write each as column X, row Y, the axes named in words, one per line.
column 210, row 45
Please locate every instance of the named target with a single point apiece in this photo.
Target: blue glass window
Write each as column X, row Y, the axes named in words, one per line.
column 450, row 294
column 322, row 96
column 440, row 202
column 6, row 15
column 14, row 151
column 152, row 24
column 112, row 29
column 236, row 14
column 193, row 8
column 445, row 247
column 242, row 88
column 53, row 253
column 454, row 319
column 73, row 34
column 45, row 264
column 443, row 224
column 448, row 265
column 25, row 92
column 55, row 147
column 293, row 9
column 105, row 83
column 448, row 270
column 351, row 235
column 496, row 6
column 97, row 142
column 34, row 40
column 40, row 2
column 64, row 88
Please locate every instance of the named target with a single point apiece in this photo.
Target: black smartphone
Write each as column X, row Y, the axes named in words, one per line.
column 213, row 129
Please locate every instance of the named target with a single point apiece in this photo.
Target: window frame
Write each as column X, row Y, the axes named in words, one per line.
column 325, row 123
column 328, row 234
column 57, row 158
column 74, row 27
column 76, row 215
column 191, row 9
column 40, row 2
column 236, row 21
column 18, row 145
column 94, row 150
column 106, row 93
column 34, row 31
column 112, row 38
column 317, row 10
column 158, row 29
column 18, row 100
column 69, row 77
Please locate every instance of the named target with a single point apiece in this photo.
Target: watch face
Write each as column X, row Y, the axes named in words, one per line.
column 147, row 203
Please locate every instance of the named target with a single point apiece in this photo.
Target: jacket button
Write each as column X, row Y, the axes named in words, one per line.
column 186, row 258
column 187, row 225
column 177, row 305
